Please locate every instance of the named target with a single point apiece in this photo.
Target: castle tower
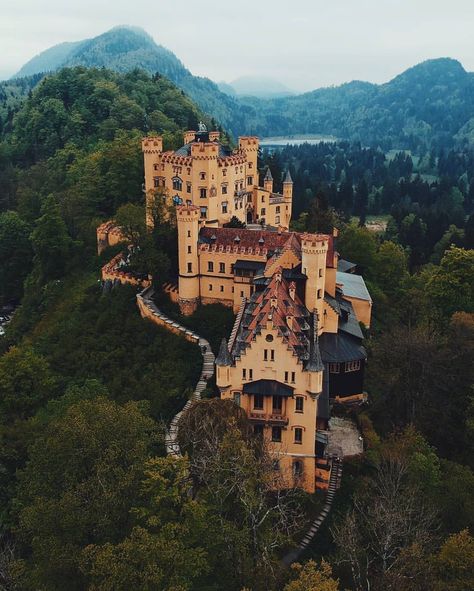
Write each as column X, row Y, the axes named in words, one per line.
column 187, row 218
column 288, row 196
column 314, row 250
column 268, row 181
column 152, row 148
column 250, row 145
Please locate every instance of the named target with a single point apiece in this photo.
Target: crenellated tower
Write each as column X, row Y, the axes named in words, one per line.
column 314, row 248
column 187, row 218
column 152, row 148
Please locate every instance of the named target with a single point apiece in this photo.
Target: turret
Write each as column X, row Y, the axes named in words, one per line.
column 250, row 145
column 288, row 187
column 268, row 181
column 314, row 248
column 152, row 148
column 315, row 365
column 187, row 218
column 223, row 363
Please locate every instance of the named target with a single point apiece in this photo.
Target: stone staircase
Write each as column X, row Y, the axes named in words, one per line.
column 154, row 314
column 334, row 483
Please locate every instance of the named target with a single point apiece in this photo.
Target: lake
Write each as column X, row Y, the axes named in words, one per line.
column 295, row 140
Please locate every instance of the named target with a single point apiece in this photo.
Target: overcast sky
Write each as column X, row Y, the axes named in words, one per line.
column 303, row 43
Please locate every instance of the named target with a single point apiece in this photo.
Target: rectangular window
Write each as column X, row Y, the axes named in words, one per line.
column 298, row 435
column 241, row 294
column 244, row 374
column 334, row 368
column 277, row 219
column 250, row 374
column 224, row 172
column 292, row 377
column 286, row 376
column 156, row 182
column 277, row 210
column 224, row 207
column 189, row 233
column 204, row 212
column 210, row 286
column 272, row 355
column 202, row 193
column 221, row 267
column 258, row 402
column 265, row 355
column 299, row 404
column 188, row 187
column 210, row 266
column 277, row 404
column 222, row 288
column 320, row 272
column 232, row 268
column 189, row 250
column 190, row 267
column 276, row 434
column 237, row 398
column 352, row 366
column 224, row 189
column 250, row 180
column 262, row 211
column 258, row 430
column 202, row 176
column 320, row 294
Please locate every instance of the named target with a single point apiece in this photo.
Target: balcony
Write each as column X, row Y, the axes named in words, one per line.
column 270, row 418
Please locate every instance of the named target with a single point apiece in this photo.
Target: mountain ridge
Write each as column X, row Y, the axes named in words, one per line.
column 431, row 103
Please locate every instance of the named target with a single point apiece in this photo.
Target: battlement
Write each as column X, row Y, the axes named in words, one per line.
column 249, row 142
column 152, row 144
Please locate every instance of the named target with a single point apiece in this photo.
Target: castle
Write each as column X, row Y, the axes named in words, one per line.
column 296, row 345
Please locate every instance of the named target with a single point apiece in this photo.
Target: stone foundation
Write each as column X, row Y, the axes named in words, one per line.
column 188, row 307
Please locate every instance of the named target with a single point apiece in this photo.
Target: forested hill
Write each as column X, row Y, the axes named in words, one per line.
column 125, row 48
column 428, row 105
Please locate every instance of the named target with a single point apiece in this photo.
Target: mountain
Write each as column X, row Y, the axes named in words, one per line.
column 260, row 87
column 126, row 48
column 49, row 60
column 430, row 104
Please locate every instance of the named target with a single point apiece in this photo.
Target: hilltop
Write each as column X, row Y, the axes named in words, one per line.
column 428, row 105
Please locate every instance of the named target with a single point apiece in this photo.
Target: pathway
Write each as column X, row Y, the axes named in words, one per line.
column 334, row 482
column 154, row 314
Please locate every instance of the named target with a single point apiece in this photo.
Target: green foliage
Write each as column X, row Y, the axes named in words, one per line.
column 165, row 548
column 15, row 256
column 51, row 243
column 26, row 383
column 79, row 485
column 359, row 246
column 452, row 285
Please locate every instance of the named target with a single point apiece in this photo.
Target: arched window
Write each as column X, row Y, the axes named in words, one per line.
column 177, row 184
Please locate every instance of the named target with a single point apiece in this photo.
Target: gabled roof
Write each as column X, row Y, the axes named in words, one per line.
column 287, row 314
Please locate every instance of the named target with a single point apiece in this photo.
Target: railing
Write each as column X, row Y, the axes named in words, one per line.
column 268, row 417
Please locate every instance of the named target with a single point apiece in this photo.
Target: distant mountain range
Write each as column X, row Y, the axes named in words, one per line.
column 431, row 104
column 260, row 87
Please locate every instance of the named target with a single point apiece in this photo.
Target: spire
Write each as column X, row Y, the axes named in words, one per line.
column 288, row 178
column 315, row 363
column 224, row 357
column 268, row 175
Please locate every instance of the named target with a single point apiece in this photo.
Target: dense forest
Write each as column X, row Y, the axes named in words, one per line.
column 88, row 498
column 428, row 106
